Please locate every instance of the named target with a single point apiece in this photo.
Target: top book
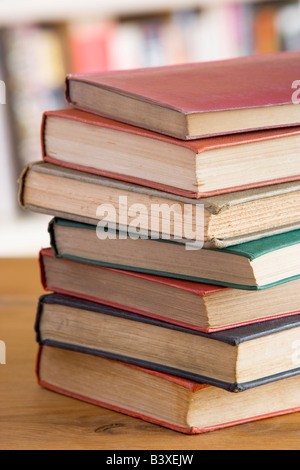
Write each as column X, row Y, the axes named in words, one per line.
column 190, row 101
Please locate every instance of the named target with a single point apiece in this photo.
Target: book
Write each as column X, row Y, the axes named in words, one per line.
column 266, row 35
column 218, row 221
column 235, row 360
column 197, row 168
column 182, row 405
column 203, row 307
column 90, row 45
column 8, row 206
column 258, row 264
column 34, row 59
column 288, row 26
column 194, row 100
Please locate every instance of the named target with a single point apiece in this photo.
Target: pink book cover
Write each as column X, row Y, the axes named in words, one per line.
column 250, row 82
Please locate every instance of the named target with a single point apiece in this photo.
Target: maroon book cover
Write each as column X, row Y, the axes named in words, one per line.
column 257, row 81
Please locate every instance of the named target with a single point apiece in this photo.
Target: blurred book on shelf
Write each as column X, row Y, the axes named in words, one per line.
column 34, row 72
column 8, row 204
column 288, row 23
column 194, row 35
column 90, row 45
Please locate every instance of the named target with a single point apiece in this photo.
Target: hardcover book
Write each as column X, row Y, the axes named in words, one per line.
column 236, row 359
column 258, row 264
column 223, row 220
column 182, row 405
column 194, row 305
column 199, row 168
column 195, row 100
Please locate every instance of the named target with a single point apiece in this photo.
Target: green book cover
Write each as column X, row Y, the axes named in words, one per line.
column 257, row 248
column 251, row 250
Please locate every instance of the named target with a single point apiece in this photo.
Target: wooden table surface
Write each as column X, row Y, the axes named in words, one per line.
column 35, row 418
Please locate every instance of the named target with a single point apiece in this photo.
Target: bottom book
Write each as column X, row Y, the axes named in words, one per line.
column 163, row 399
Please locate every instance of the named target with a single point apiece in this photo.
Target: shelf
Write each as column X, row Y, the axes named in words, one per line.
column 34, row 11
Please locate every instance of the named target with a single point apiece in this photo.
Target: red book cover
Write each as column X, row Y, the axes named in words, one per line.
column 198, row 146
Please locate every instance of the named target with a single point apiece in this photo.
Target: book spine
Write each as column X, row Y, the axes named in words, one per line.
column 51, row 231
column 42, row 134
column 21, row 181
column 43, row 275
column 67, row 90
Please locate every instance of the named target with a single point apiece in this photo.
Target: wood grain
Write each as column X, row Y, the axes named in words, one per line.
column 34, row 418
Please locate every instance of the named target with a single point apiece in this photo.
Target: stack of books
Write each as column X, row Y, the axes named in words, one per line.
column 174, row 266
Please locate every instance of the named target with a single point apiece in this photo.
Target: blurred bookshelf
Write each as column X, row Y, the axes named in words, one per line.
column 36, row 11
column 40, row 42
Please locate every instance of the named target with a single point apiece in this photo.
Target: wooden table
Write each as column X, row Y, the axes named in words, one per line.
column 34, row 418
